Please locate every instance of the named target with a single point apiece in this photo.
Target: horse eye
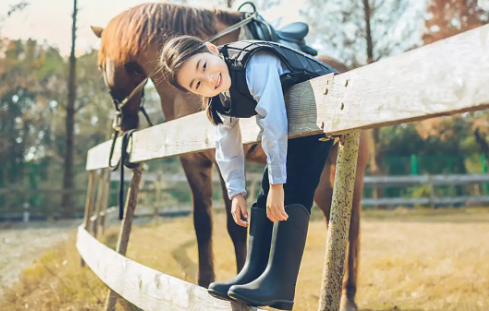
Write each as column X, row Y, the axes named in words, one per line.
column 197, row 86
column 134, row 68
column 205, row 65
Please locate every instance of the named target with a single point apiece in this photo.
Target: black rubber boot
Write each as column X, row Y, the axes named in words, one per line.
column 260, row 235
column 276, row 286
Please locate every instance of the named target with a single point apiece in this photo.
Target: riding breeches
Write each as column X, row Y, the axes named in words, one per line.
column 306, row 157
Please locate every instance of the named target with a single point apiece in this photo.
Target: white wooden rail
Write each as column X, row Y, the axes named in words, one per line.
column 444, row 78
column 144, row 287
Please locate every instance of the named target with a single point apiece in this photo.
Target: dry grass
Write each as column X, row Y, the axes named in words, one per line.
column 410, row 260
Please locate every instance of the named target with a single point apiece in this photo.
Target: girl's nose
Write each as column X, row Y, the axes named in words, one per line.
column 210, row 78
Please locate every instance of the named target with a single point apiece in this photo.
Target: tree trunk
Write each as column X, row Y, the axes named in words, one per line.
column 368, row 32
column 66, row 203
column 374, row 134
column 482, row 142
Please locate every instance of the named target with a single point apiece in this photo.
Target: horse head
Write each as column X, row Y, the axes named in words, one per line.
column 124, row 77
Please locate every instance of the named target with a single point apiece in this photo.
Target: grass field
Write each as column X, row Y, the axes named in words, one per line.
column 410, row 260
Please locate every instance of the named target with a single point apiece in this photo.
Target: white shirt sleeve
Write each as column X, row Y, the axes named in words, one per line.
column 230, row 155
column 263, row 77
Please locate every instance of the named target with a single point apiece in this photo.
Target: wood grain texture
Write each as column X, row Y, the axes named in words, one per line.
column 447, row 77
column 144, row 287
column 339, row 224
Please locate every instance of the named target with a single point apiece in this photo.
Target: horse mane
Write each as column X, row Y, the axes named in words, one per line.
column 133, row 30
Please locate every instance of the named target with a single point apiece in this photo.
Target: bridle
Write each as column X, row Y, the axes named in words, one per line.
column 124, row 158
column 119, row 105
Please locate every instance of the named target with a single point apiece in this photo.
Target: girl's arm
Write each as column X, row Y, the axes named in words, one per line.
column 230, row 155
column 263, row 78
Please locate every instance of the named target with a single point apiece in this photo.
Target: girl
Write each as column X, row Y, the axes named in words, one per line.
column 240, row 80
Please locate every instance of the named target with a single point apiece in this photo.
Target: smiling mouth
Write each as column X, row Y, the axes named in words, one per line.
column 219, row 80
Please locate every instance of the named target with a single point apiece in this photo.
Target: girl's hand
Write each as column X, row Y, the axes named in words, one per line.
column 275, row 203
column 239, row 210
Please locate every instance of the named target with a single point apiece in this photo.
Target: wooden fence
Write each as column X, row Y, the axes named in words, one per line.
column 444, row 78
column 159, row 183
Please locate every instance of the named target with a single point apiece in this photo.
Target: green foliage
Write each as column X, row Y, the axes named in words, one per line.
column 33, row 93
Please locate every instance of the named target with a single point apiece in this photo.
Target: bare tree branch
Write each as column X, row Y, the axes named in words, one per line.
column 17, row 7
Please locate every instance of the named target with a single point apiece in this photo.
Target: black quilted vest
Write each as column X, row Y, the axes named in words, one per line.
column 239, row 102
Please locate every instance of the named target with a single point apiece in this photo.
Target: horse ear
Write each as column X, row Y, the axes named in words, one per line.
column 97, row 31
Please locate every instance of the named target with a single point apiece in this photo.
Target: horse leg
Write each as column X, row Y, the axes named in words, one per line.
column 324, row 192
column 198, row 170
column 237, row 233
column 352, row 254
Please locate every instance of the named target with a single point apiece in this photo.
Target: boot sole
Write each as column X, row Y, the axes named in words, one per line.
column 277, row 304
column 219, row 295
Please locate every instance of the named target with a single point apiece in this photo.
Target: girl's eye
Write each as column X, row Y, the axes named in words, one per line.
column 197, row 85
column 205, row 65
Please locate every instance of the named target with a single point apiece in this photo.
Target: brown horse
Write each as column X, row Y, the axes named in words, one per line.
column 129, row 51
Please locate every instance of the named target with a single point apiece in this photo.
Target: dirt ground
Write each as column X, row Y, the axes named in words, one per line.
column 21, row 243
column 410, row 260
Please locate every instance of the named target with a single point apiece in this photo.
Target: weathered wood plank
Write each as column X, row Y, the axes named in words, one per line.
column 447, row 77
column 146, row 288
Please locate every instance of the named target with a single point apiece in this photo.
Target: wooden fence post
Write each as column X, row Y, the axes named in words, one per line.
column 92, row 185
column 123, row 241
column 158, row 195
column 339, row 224
column 105, row 202
column 432, row 191
column 98, row 205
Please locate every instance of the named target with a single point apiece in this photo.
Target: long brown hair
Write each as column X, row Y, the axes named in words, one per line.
column 175, row 53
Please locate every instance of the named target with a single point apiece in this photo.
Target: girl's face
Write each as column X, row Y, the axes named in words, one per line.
column 205, row 74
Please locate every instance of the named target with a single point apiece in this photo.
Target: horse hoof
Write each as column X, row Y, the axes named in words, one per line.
column 347, row 305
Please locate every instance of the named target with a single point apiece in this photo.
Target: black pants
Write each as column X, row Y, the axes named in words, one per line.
column 306, row 157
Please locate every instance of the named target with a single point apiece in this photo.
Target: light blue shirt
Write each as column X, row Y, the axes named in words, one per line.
column 263, row 73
